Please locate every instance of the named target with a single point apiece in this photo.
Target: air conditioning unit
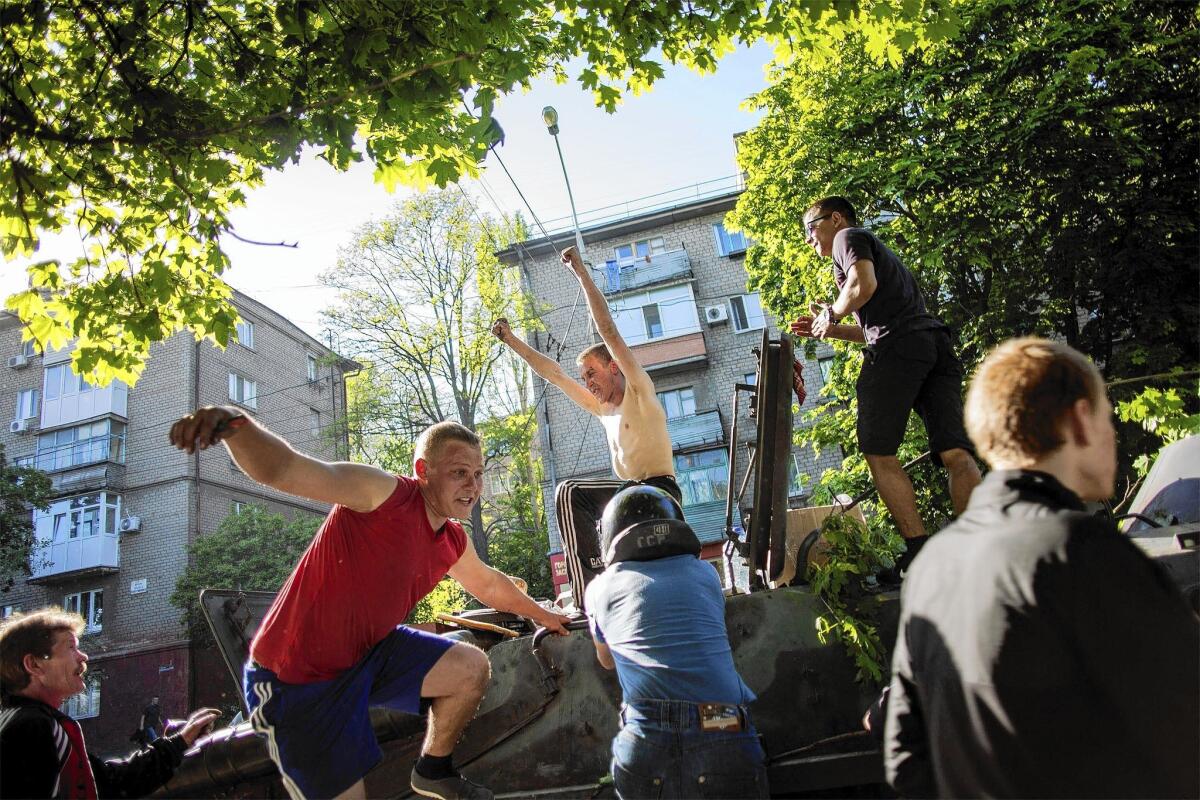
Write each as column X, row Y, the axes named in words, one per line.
column 18, row 426
column 18, row 361
column 714, row 315
column 131, row 524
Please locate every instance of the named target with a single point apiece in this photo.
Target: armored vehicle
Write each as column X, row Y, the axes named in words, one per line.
column 544, row 729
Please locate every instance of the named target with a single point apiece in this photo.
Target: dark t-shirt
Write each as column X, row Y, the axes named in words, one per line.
column 897, row 306
column 153, row 715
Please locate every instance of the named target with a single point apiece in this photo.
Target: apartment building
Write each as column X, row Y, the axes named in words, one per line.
column 114, row 541
column 676, row 285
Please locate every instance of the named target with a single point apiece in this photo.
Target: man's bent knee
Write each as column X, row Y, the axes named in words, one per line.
column 884, row 462
column 956, row 458
column 463, row 669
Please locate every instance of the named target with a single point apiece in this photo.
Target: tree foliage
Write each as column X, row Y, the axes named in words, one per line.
column 515, row 518
column 255, row 550
column 417, row 294
column 140, row 125
column 1037, row 171
column 22, row 489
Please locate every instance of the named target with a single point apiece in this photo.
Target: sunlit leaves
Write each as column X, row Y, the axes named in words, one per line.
column 141, row 126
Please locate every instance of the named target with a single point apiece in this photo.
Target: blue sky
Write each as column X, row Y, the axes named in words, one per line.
column 679, row 133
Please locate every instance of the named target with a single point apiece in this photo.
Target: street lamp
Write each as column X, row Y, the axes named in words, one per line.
column 550, row 117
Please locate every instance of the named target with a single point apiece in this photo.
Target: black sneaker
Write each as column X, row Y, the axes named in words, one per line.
column 454, row 788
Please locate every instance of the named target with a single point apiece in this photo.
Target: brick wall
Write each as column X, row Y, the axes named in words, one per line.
column 176, row 496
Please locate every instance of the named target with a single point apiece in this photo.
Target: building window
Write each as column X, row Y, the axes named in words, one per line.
column 86, row 703
column 314, row 421
column 27, row 403
column 703, row 476
column 245, row 333
column 750, row 378
column 84, row 517
column 656, row 314
column 728, row 244
column 103, row 440
column 654, row 327
column 498, row 482
column 29, row 348
column 89, row 605
column 678, row 402
column 797, row 480
column 826, row 366
column 60, row 381
column 8, row 611
column 629, row 254
column 243, row 391
column 312, row 366
column 747, row 313
column 239, row 506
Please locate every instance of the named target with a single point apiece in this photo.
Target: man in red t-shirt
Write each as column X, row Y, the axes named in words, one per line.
column 331, row 645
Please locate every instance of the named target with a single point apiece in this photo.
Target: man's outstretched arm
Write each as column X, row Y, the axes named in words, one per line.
column 270, row 460
column 602, row 316
column 494, row 588
column 548, row 368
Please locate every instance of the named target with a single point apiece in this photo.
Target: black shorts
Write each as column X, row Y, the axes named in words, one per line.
column 919, row 371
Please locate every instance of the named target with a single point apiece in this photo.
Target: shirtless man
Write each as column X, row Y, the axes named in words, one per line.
column 617, row 390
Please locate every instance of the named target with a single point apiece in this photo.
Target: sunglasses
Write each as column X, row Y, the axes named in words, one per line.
column 812, row 223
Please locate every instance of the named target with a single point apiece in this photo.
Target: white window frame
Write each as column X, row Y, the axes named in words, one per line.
column 28, row 403
column 677, row 312
column 239, row 506
column 649, row 310
column 93, row 616
column 653, row 246
column 29, row 348
column 683, row 396
column 729, row 244
column 750, row 378
column 8, row 611
column 312, row 366
column 245, row 333
column 87, row 703
column 747, row 319
column 94, row 448
column 314, row 421
column 243, row 391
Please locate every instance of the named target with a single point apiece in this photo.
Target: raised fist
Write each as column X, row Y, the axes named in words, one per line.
column 501, row 330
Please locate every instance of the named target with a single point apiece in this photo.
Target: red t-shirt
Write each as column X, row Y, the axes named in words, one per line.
column 359, row 578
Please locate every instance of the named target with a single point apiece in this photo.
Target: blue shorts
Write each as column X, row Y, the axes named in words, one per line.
column 319, row 734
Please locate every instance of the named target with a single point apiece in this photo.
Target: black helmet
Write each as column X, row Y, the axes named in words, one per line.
column 643, row 523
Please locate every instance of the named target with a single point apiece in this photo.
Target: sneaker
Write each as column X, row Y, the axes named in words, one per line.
column 455, row 788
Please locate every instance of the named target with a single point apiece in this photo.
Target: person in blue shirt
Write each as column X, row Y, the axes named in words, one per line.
column 657, row 616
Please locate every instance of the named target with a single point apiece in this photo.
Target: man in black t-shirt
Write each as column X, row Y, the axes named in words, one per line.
column 151, row 723
column 909, row 364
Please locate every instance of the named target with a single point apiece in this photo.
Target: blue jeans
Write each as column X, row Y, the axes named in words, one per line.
column 651, row 760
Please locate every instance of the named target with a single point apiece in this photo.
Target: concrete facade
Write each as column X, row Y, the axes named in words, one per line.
column 686, row 313
column 141, row 648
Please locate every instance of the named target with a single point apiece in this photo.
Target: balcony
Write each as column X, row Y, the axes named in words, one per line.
column 664, row 356
column 696, row 430
column 85, row 465
column 75, row 558
column 76, row 536
column 661, row 268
